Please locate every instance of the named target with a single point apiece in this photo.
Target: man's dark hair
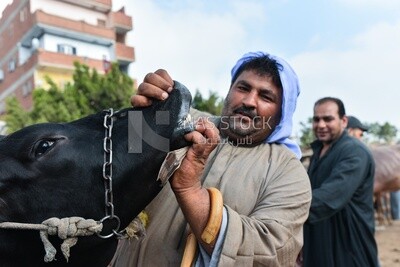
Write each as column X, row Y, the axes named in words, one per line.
column 338, row 102
column 263, row 66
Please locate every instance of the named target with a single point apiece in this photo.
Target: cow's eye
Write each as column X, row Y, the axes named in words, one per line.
column 43, row 146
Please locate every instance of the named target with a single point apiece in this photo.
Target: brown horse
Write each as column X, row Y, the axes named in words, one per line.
column 387, row 178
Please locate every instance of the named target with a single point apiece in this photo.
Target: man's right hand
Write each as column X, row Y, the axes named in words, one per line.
column 155, row 85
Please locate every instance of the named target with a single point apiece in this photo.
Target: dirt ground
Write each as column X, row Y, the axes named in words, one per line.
column 388, row 240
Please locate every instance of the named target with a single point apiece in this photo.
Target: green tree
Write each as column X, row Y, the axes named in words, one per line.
column 87, row 94
column 383, row 133
column 211, row 105
column 307, row 135
column 16, row 117
column 373, row 132
column 387, row 133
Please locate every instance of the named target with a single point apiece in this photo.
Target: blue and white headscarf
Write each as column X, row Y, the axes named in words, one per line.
column 291, row 91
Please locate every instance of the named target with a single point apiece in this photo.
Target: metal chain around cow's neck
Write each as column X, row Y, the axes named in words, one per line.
column 107, row 174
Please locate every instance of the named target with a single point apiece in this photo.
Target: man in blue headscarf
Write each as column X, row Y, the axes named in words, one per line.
column 241, row 191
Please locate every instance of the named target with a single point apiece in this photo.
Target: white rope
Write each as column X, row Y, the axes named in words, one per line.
column 67, row 229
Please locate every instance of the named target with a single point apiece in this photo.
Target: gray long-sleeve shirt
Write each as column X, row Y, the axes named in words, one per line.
column 266, row 193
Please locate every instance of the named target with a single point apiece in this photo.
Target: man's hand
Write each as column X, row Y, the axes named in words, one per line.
column 204, row 139
column 155, row 85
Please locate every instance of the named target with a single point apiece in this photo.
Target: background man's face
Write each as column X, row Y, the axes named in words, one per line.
column 356, row 132
column 327, row 125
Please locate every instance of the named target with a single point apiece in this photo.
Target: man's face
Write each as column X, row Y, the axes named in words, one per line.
column 252, row 109
column 327, row 125
column 356, row 132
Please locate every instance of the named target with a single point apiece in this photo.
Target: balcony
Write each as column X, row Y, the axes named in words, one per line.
column 125, row 54
column 121, row 22
column 103, row 2
column 52, row 60
column 78, row 28
column 100, row 5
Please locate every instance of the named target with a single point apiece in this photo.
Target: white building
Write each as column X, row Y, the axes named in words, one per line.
column 45, row 37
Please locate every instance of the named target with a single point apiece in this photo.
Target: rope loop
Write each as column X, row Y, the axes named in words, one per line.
column 67, row 229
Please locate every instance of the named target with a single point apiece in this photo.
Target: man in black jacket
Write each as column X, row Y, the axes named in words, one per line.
column 355, row 128
column 340, row 228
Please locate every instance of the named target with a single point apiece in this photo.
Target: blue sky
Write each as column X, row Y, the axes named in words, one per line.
column 343, row 48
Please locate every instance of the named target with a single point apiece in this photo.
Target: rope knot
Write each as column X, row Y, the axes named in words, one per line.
column 67, row 229
column 72, row 227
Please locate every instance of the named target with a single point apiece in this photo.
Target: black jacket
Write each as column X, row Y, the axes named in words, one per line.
column 340, row 228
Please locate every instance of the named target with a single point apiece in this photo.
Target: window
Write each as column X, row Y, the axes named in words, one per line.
column 11, row 30
column 101, row 22
column 2, row 110
column 23, row 15
column 26, row 89
column 66, row 49
column 11, row 65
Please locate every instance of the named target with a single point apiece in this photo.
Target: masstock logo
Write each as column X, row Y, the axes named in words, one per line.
column 139, row 131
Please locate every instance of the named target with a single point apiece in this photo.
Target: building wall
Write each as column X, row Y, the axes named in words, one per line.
column 15, row 21
column 64, row 10
column 59, row 77
column 83, row 49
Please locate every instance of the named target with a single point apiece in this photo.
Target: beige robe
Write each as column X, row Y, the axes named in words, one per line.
column 267, row 194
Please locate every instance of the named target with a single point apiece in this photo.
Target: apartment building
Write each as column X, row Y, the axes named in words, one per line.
column 45, row 37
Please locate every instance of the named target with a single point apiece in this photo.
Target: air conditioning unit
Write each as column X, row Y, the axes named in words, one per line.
column 1, row 75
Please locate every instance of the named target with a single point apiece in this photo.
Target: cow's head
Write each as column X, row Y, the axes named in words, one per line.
column 56, row 170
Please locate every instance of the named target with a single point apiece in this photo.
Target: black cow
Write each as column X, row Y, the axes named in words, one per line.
column 56, row 170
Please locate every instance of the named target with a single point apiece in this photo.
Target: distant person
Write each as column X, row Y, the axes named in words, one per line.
column 395, row 205
column 355, row 128
column 341, row 226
